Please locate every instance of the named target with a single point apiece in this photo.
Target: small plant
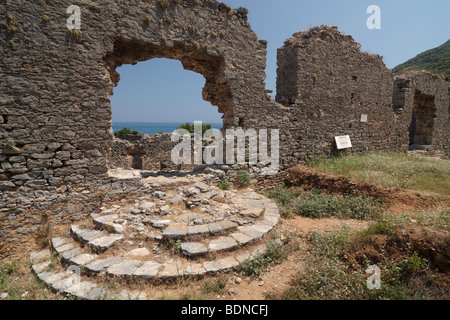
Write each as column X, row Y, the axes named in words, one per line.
column 125, row 131
column 177, row 246
column 45, row 18
column 9, row 143
column 243, row 177
column 11, row 44
column 225, row 184
column 217, row 287
column 193, row 29
column 191, row 128
column 43, row 236
column 164, row 4
column 318, row 205
column 196, row 45
column 12, row 24
column 415, row 263
column 147, row 20
column 275, row 253
column 75, row 33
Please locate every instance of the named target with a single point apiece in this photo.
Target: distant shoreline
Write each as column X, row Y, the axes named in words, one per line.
column 152, row 128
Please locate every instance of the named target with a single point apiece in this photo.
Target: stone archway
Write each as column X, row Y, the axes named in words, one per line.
column 216, row 90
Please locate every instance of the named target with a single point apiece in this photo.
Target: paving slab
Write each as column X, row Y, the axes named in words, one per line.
column 241, row 238
column 252, row 231
column 197, row 230
column 252, row 212
column 97, row 294
column 106, row 219
column 227, row 224
column 39, row 256
column 222, row 243
column 139, row 252
column 124, row 268
column 57, row 242
column 227, row 264
column 38, row 268
column 176, row 231
column 68, row 255
column 106, row 242
column 83, row 259
column 195, row 270
column 192, row 249
column 66, row 283
column 65, row 247
column 81, row 290
column 170, row 272
column 215, row 228
column 85, row 235
column 99, row 265
column 148, row 270
column 212, row 267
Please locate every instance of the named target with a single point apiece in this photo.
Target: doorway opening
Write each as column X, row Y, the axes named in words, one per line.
column 423, row 120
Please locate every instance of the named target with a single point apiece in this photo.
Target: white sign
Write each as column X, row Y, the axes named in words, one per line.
column 364, row 118
column 343, row 142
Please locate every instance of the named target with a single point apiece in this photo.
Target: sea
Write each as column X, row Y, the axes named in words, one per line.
column 152, row 128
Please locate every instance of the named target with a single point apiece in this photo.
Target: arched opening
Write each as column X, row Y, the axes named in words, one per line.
column 154, row 153
column 423, row 120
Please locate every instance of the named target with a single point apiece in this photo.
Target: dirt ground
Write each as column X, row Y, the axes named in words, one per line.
column 278, row 277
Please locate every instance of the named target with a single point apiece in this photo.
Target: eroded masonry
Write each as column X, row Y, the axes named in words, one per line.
column 55, row 108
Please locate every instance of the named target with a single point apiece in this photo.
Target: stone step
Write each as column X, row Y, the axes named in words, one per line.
column 85, row 235
column 236, row 240
column 182, row 230
column 71, row 284
column 102, row 244
column 107, row 223
column 148, row 270
column 98, row 240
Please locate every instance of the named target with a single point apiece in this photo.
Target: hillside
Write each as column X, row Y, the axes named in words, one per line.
column 436, row 60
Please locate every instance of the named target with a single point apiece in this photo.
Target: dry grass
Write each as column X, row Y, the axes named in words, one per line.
column 391, row 170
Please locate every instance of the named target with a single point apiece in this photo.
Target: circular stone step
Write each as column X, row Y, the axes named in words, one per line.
column 218, row 223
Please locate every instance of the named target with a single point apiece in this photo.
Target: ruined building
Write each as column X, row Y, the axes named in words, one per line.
column 55, row 86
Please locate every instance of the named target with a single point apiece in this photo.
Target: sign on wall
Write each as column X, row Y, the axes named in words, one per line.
column 364, row 118
column 343, row 142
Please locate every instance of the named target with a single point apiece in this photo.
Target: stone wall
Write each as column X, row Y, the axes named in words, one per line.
column 421, row 102
column 328, row 84
column 55, row 85
column 144, row 153
column 55, row 108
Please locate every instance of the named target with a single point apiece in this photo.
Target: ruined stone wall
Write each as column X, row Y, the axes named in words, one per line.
column 55, row 107
column 421, row 103
column 145, row 153
column 55, row 85
column 328, row 84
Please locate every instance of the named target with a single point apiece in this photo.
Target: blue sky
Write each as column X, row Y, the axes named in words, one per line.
column 160, row 90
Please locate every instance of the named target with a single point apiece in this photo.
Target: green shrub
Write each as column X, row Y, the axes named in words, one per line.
column 190, row 127
column 318, row 205
column 218, row 287
column 243, row 177
column 125, row 131
column 275, row 253
column 224, row 184
column 9, row 143
column 283, row 196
